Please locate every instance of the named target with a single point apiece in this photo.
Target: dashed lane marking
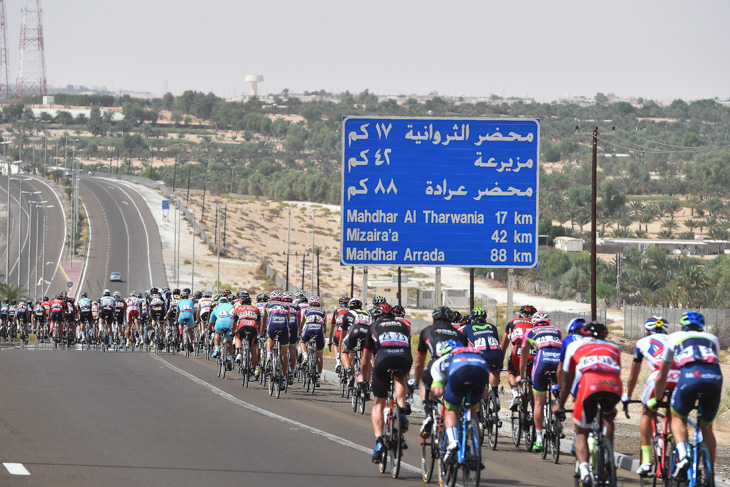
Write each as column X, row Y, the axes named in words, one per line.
column 16, row 469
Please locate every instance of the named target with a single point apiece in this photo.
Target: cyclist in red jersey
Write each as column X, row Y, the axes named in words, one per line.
column 58, row 305
column 400, row 315
column 513, row 333
column 337, row 316
column 594, row 367
column 247, row 323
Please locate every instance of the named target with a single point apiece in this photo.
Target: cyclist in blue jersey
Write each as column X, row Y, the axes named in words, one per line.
column 697, row 354
column 547, row 340
column 574, row 327
column 314, row 322
column 222, row 319
column 461, row 373
column 276, row 318
column 294, row 317
column 186, row 316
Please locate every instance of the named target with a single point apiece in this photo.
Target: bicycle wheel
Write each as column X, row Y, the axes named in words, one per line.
column 363, row 397
column 355, row 400
column 395, row 441
column 605, row 473
column 516, row 429
column 546, row 430
column 428, row 455
column 556, row 428
column 491, row 419
column 221, row 368
column 666, row 460
column 528, row 423
column 704, row 474
column 447, row 471
column 471, row 467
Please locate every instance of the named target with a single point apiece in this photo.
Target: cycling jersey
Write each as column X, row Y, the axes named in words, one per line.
column 464, row 374
column 356, row 335
column 313, row 325
column 247, row 315
column 485, row 336
column 39, row 312
column 95, row 310
column 204, row 307
column 547, row 340
column 390, row 341
column 687, row 347
column 57, row 306
column 405, row 322
column 120, row 308
column 185, row 312
column 651, row 349
column 433, row 336
column 4, row 312
column 516, row 330
column 47, row 306
column 337, row 317
column 21, row 312
column 276, row 317
column 294, row 317
column 597, row 367
column 157, row 308
column 354, row 316
column 222, row 319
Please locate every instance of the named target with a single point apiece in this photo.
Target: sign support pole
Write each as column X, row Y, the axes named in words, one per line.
column 510, row 289
column 437, row 288
column 365, row 286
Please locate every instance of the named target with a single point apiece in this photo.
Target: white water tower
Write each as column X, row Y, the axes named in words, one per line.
column 254, row 79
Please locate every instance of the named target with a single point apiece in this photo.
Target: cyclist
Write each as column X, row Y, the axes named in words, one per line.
column 573, row 334
column 204, row 306
column 594, row 367
column 337, row 316
column 314, row 322
column 247, row 320
column 120, row 311
column 132, row 306
column 85, row 314
column 21, row 316
column 481, row 334
column 57, row 307
column 39, row 320
column 546, row 340
column 400, row 315
column 441, row 331
column 222, row 319
column 294, row 318
column 389, row 341
column 651, row 348
column 377, row 301
column 354, row 316
column 697, row 354
column 460, row 373
column 301, row 301
column 185, row 313
column 276, row 317
column 70, row 314
column 513, row 333
column 157, row 311
column 4, row 312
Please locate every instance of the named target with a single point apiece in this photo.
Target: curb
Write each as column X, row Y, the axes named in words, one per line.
column 624, row 462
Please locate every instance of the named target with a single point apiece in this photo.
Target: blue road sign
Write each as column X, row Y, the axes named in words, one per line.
column 165, row 204
column 440, row 192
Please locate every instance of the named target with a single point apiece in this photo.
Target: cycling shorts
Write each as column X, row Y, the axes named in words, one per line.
column 223, row 329
column 546, row 362
column 40, row 318
column 247, row 333
column 701, row 382
column 56, row 315
column 69, row 317
column 350, row 342
column 282, row 329
column 467, row 382
column 648, row 392
column 22, row 317
column 514, row 368
column 293, row 333
column 596, row 388
column 400, row 363
column 495, row 358
column 187, row 321
column 308, row 333
column 426, row 376
column 86, row 317
column 204, row 315
column 132, row 314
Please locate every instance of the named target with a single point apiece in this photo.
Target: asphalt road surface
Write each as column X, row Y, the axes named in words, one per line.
column 124, row 238
column 74, row 417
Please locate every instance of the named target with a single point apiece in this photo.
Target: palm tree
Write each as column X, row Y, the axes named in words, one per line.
column 12, row 292
column 670, row 224
column 686, row 235
column 693, row 202
column 717, row 233
column 666, row 234
column 641, row 233
column 691, row 224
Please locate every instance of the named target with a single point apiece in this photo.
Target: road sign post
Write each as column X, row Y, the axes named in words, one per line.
column 165, row 209
column 440, row 192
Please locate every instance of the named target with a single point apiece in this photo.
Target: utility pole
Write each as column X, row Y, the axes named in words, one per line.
column 594, row 172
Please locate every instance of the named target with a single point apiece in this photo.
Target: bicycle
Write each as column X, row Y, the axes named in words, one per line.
column 469, row 454
column 662, row 442
column 310, row 369
column 393, row 431
column 600, row 453
column 431, row 446
column 274, row 371
column 223, row 361
column 700, row 472
column 522, row 422
column 245, row 365
column 552, row 426
column 360, row 393
column 490, row 422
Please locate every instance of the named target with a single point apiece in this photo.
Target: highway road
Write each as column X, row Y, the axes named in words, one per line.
column 29, row 224
column 124, row 238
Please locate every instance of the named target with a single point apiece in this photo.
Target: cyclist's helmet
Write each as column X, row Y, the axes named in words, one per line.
column 45, row 298
column 245, row 297
column 187, row 290
column 117, row 294
column 154, row 290
column 105, row 293
column 399, row 311
column 575, row 325
column 303, row 299
column 692, row 320
column 315, row 302
column 276, row 295
column 29, row 303
column 184, row 295
column 198, row 295
column 354, row 303
column 287, row 297
column 656, row 324
column 13, row 302
column 594, row 329
column 223, row 299
column 176, row 292
column 385, row 309
column 84, row 295
column 139, row 295
column 541, row 318
column 227, row 292
column 344, row 300
column 262, row 298
column 378, row 300
column 207, row 294
column 527, row 311
column 300, row 294
column 443, row 313
column 457, row 317
column 479, row 315
column 448, row 346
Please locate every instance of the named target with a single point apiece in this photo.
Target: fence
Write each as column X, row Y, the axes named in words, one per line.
column 562, row 319
column 634, row 317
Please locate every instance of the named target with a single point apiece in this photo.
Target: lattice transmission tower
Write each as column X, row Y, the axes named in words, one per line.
column 32, row 71
column 4, row 79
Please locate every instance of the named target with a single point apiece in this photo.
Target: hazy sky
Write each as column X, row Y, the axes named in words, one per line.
column 546, row 49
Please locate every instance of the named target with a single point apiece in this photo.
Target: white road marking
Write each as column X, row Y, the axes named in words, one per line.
column 16, row 469
column 268, row 414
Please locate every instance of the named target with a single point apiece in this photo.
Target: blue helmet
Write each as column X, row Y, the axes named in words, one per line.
column 576, row 324
column 692, row 319
column 448, row 346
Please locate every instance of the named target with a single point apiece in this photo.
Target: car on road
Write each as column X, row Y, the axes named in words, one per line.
column 115, row 276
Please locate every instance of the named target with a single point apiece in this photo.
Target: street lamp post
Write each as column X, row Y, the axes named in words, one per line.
column 28, row 230
column 44, row 249
column 218, row 247
column 288, row 242
column 7, row 226
column 312, row 265
column 37, row 205
column 192, row 274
